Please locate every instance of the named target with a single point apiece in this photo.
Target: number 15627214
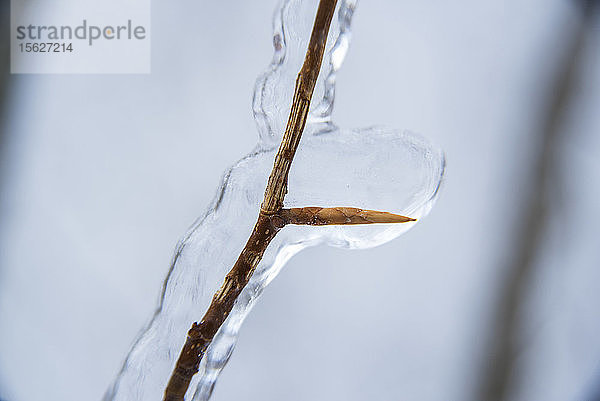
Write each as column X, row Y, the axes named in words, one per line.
column 46, row 47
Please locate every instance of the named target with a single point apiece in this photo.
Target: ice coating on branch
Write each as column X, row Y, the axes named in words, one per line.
column 274, row 89
column 374, row 168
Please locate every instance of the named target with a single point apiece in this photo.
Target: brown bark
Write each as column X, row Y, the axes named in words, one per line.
column 200, row 335
column 305, row 85
column 272, row 217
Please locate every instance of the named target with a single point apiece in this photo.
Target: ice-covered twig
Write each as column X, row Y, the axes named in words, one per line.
column 376, row 167
column 200, row 335
column 272, row 216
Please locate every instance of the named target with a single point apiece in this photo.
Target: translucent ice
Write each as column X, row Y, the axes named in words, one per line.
column 374, row 168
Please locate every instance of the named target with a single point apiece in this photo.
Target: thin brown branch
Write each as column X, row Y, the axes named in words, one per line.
column 318, row 216
column 272, row 217
column 200, row 335
column 305, row 85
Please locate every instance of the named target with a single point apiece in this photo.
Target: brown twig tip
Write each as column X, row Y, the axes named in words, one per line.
column 319, row 216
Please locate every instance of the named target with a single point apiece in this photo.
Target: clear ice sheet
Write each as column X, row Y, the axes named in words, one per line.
column 374, row 168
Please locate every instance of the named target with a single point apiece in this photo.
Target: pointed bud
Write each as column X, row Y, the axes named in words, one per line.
column 319, row 216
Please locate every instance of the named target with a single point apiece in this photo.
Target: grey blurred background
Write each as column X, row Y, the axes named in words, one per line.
column 494, row 296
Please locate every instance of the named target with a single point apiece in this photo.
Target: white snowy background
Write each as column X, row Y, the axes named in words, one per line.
column 101, row 175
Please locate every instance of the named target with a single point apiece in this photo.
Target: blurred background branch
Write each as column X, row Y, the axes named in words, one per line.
column 538, row 205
